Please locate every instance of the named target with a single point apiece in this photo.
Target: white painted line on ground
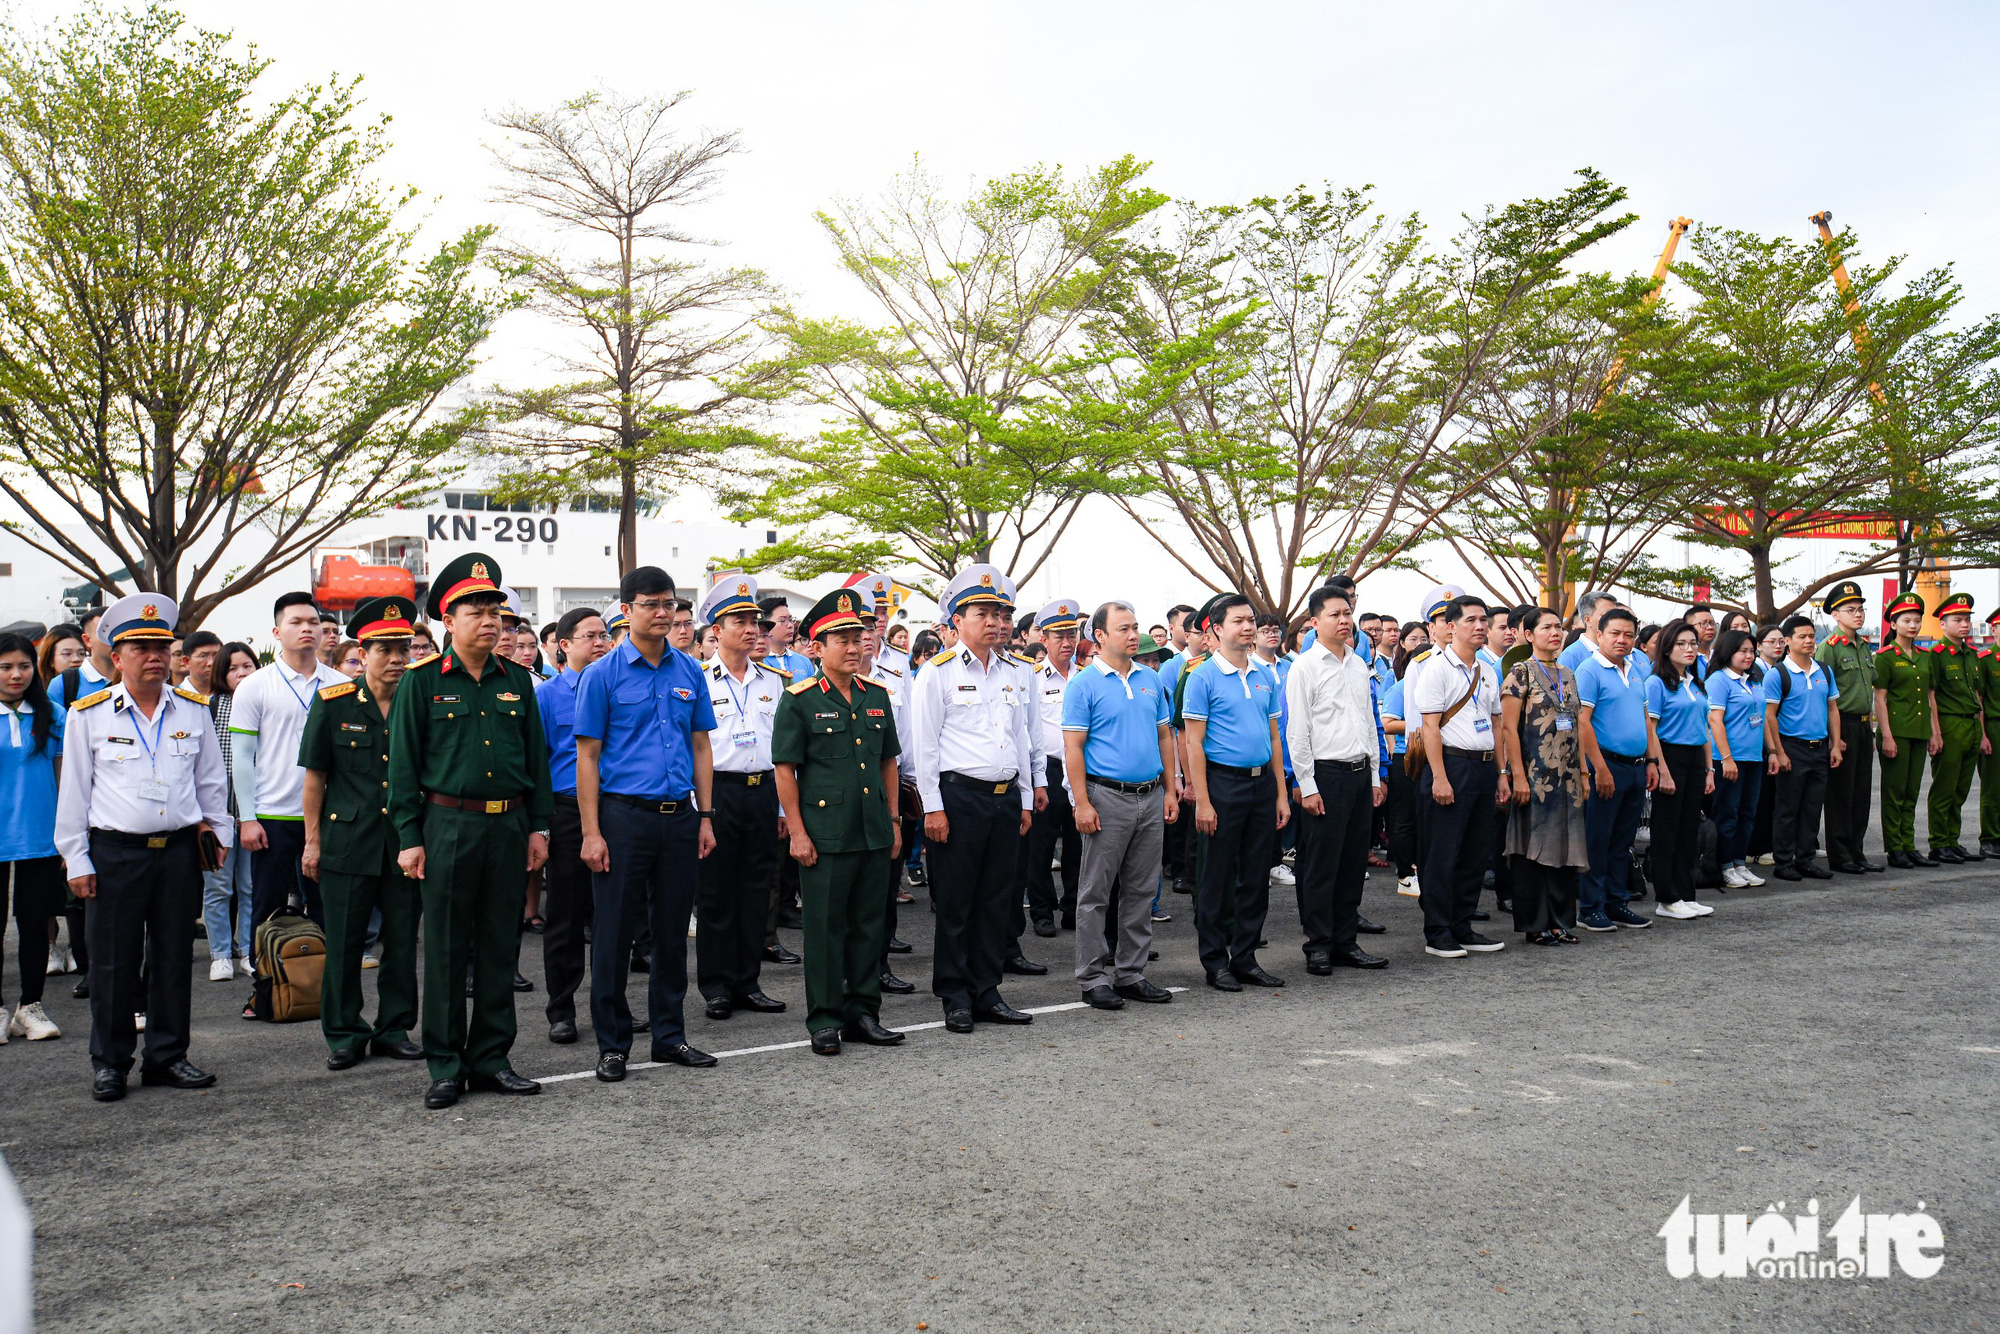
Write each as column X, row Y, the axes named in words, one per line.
column 805, row 1042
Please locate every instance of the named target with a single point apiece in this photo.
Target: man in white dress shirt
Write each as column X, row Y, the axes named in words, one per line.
column 969, row 714
column 143, row 808
column 1461, row 792
column 1059, row 624
column 1330, row 727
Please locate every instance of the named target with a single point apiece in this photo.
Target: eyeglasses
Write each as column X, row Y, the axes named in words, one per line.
column 654, row 604
column 593, row 636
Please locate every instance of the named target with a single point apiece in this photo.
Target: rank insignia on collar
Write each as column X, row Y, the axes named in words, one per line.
column 508, row 697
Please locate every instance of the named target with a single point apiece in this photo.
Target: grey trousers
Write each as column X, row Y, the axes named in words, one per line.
column 1126, row 850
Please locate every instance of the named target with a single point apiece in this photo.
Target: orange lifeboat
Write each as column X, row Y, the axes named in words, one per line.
column 344, row 581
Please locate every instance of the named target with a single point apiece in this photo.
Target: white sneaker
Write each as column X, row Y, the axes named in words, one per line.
column 29, row 1022
column 139, row 1022
column 1697, row 909
column 1407, row 887
column 1749, row 877
column 1730, row 879
column 369, row 960
column 1767, row 860
column 1677, row 911
column 60, row 960
column 1282, row 875
column 221, row 970
column 244, row 968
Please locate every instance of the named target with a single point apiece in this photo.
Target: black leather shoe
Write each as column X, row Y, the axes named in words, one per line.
column 1968, row 853
column 1025, row 966
column 896, row 986
column 1224, row 982
column 506, row 1081
column 683, row 1055
column 1319, row 965
column 1921, row 859
column 1867, row 865
column 611, row 1066
column 642, row 963
column 1850, row 868
column 867, row 1028
column 1368, row 928
column 759, row 1002
column 107, row 1085
column 81, row 991
column 1068, row 921
column 441, row 1094
column 521, row 983
column 562, row 1032
column 1900, row 861
column 826, row 1042
column 1101, row 997
column 1990, row 847
column 779, row 954
column 1257, row 977
column 958, row 1021
column 1000, row 1012
column 1947, row 856
column 1045, row 927
column 1144, row 991
column 345, row 1058
column 1814, row 871
column 899, row 946
column 719, row 1009
column 1358, row 958
column 404, row 1049
column 179, row 1075
column 1181, row 886
column 1479, row 915
column 1786, row 873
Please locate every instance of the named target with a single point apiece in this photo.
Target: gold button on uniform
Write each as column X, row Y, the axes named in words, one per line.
column 822, row 803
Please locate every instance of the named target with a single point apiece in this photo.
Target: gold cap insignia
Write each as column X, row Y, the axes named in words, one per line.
column 743, row 589
column 846, row 603
column 986, row 579
column 149, row 612
column 479, row 569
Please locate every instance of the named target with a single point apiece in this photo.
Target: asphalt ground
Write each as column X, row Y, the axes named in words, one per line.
column 1489, row 1143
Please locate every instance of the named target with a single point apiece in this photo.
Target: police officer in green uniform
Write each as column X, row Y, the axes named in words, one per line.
column 1903, row 723
column 835, row 746
column 1955, row 705
column 351, row 847
column 1989, row 753
column 1851, row 662
column 469, row 796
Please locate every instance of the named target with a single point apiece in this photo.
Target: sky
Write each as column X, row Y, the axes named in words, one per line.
column 1746, row 115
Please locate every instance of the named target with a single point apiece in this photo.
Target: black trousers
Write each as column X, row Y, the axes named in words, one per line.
column 909, row 806
column 784, row 886
column 1676, row 824
column 732, row 906
column 143, row 895
column 1176, row 859
column 972, row 876
column 1544, row 896
column 1333, row 856
column 38, row 892
column 1054, row 828
column 651, row 879
column 1457, row 842
column 566, row 880
column 1801, row 794
column 1849, row 789
column 1401, row 805
column 1234, row 895
column 276, row 878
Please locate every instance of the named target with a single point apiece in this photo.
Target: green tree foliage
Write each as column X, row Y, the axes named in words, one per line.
column 216, row 346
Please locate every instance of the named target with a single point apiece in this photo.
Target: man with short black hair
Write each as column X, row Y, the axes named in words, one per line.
column 202, row 648
column 93, row 673
column 1802, row 739
column 1611, row 690
column 1700, row 616
column 581, row 639
column 1463, row 787
column 329, row 637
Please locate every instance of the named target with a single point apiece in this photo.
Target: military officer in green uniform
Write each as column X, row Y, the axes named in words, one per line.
column 834, row 746
column 1904, row 726
column 1989, row 753
column 1955, row 704
column 1850, row 661
column 351, row 847
column 469, row 796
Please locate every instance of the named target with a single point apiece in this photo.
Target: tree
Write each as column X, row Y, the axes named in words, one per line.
column 953, row 430
column 1769, row 402
column 665, row 376
column 1320, row 363
column 215, row 347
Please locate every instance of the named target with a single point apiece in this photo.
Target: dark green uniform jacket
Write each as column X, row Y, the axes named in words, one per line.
column 1852, row 665
column 1905, row 682
column 347, row 739
column 479, row 740
column 1954, row 679
column 838, row 746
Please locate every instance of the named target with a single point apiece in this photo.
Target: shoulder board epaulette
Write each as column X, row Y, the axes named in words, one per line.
column 98, row 698
column 775, row 671
column 1027, row 662
column 871, row 681
column 885, row 667
column 801, row 687
column 193, row 696
column 1425, row 654
column 426, row 660
column 335, row 692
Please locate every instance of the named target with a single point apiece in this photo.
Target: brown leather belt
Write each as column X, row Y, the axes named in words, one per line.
column 475, row 804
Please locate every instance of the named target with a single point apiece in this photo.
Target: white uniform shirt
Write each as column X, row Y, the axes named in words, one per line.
column 1330, row 704
column 1445, row 681
column 271, row 705
column 745, row 713
column 971, row 719
column 117, row 764
column 1038, row 752
column 1049, row 685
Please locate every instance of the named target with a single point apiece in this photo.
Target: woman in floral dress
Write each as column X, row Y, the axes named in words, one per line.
column 1539, row 705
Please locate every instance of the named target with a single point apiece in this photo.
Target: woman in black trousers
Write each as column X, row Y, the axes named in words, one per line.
column 1677, row 744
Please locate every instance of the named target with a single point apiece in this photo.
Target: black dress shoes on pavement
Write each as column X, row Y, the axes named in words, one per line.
column 867, row 1028
column 441, row 1094
column 1025, row 966
column 611, row 1066
column 179, row 1075
column 1920, row 859
column 521, row 983
column 1319, row 965
column 1256, row 977
column 1900, row 861
column 1144, row 991
column 719, row 1008
column 1102, row 997
column 405, row 1049
column 1850, row 868
column 1947, row 855
column 895, row 986
column 682, row 1054
column 779, row 954
column 345, row 1058
column 642, row 963
column 1814, row 871
column 1224, row 982
column 1968, row 853
column 1358, row 958
column 1368, row 928
column 958, row 1021
column 562, row 1032
column 81, row 991
column 1787, row 873
column 107, row 1085
column 826, row 1042
column 1045, row 927
column 759, row 1003
column 1990, row 847
column 506, row 1081
column 1000, row 1012
column 1481, row 915
column 899, row 946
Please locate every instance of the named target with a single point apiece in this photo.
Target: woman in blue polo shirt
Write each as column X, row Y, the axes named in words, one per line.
column 1736, row 728
column 30, row 742
column 1677, row 739
column 1402, row 799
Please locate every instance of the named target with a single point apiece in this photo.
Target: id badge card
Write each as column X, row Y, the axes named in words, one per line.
column 744, row 740
column 1562, row 723
column 1482, row 724
column 153, row 789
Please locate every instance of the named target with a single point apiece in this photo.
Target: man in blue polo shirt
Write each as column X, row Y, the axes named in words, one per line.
column 1230, row 710
column 1117, row 750
column 1613, row 725
column 582, row 639
column 1590, row 607
column 643, row 778
column 1802, row 738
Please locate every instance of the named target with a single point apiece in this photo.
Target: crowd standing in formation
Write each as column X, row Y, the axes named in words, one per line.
column 627, row 778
